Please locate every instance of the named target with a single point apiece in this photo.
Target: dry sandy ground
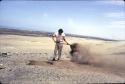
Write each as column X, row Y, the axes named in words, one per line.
column 26, row 62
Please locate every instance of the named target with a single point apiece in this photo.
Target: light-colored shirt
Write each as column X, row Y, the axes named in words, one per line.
column 59, row 37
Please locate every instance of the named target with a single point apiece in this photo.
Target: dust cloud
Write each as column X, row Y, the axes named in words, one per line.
column 83, row 54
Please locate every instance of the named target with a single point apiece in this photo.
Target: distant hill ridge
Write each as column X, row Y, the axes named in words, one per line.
column 43, row 33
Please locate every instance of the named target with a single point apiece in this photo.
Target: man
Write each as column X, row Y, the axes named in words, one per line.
column 58, row 38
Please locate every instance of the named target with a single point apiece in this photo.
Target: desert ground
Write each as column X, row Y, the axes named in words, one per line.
column 23, row 60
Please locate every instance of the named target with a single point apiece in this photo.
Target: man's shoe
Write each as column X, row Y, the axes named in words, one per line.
column 54, row 59
column 58, row 59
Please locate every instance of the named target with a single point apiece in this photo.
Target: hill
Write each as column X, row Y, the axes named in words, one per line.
column 44, row 33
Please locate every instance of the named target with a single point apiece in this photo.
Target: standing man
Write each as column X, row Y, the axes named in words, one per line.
column 58, row 38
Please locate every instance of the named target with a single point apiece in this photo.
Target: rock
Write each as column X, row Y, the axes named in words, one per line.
column 3, row 54
column 1, row 66
column 0, row 82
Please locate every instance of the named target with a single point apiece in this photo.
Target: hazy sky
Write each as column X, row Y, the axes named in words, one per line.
column 98, row 18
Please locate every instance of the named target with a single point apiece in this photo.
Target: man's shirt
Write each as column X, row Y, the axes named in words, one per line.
column 59, row 37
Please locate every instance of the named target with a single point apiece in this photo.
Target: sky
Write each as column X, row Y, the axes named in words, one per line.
column 99, row 18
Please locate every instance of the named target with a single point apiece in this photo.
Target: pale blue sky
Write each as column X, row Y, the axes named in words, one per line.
column 98, row 18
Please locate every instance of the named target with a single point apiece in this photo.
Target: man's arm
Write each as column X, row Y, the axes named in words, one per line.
column 53, row 36
column 65, row 40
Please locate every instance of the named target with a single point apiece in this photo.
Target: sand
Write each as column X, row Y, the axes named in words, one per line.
column 26, row 61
